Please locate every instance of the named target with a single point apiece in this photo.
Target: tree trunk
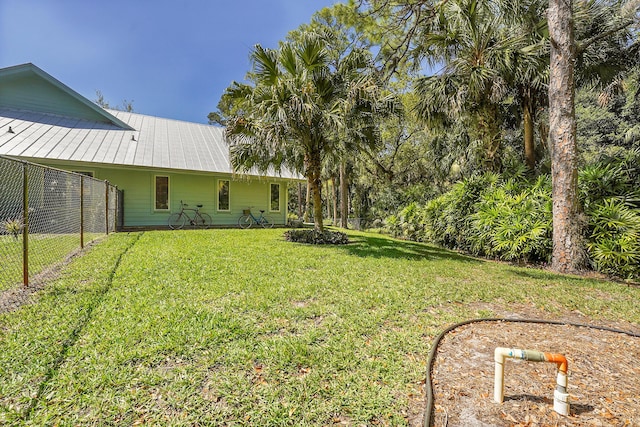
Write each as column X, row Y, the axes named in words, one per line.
column 315, row 182
column 325, row 201
column 307, row 202
column 529, row 142
column 300, row 210
column 334, row 196
column 568, row 254
column 344, row 195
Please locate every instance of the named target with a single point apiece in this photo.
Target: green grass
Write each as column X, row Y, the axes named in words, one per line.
column 216, row 327
column 45, row 250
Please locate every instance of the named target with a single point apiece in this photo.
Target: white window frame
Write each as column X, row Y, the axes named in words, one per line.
column 218, row 194
column 155, row 193
column 279, row 197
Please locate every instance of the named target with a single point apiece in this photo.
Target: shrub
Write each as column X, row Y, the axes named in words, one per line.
column 448, row 218
column 316, row 238
column 13, row 227
column 614, row 240
column 514, row 222
column 511, row 218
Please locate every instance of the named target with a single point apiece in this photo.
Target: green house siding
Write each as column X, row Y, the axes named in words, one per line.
column 27, row 88
column 194, row 189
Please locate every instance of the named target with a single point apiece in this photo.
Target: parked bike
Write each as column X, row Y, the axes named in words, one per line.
column 179, row 219
column 247, row 219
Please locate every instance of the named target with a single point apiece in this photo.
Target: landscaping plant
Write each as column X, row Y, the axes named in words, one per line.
column 13, row 227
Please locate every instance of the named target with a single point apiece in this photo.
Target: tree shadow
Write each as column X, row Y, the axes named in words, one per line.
column 381, row 247
column 540, row 274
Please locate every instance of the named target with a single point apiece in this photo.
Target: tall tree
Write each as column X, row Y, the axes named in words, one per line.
column 469, row 37
column 295, row 105
column 125, row 106
column 568, row 251
column 568, row 254
column 286, row 112
column 365, row 99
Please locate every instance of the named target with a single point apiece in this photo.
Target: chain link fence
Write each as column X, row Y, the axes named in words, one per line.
column 46, row 215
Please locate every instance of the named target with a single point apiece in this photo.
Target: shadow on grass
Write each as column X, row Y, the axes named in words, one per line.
column 539, row 274
column 380, row 247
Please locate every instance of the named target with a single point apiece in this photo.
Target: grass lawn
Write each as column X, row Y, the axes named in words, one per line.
column 44, row 251
column 215, row 327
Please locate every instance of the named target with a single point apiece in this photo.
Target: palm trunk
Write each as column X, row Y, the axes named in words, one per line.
column 300, row 211
column 334, row 196
column 529, row 142
column 328, row 196
column 344, row 195
column 568, row 254
column 307, row 202
column 315, row 182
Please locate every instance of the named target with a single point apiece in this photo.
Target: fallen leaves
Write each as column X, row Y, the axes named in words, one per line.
column 603, row 386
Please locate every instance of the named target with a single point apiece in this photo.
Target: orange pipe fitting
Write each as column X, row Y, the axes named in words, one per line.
column 560, row 395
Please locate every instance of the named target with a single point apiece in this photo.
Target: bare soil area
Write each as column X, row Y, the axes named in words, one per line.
column 603, row 378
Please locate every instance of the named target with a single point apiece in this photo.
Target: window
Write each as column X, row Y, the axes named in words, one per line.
column 274, row 205
column 162, row 193
column 223, row 195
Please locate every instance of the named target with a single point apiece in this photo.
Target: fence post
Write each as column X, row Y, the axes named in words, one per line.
column 106, row 206
column 82, row 211
column 25, row 225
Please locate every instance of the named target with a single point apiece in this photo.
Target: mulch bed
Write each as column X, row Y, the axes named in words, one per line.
column 603, row 378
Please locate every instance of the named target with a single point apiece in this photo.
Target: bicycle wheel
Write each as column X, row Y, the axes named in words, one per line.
column 245, row 221
column 264, row 222
column 204, row 220
column 176, row 221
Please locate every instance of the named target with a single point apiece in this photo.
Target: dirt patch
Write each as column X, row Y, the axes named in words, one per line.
column 603, row 373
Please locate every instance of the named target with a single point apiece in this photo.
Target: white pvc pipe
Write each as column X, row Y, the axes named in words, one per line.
column 560, row 395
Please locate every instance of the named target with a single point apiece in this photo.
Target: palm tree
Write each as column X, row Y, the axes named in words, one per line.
column 364, row 99
column 295, row 107
column 285, row 113
column 529, row 75
column 469, row 38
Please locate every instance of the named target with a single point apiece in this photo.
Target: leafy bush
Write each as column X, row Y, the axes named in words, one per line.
column 449, row 217
column 614, row 241
column 316, row 238
column 610, row 191
column 13, row 227
column 510, row 217
column 514, row 222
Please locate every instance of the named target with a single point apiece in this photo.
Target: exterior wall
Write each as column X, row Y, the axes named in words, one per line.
column 192, row 188
column 31, row 92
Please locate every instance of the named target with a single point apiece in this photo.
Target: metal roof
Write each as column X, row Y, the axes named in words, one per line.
column 154, row 142
column 126, row 139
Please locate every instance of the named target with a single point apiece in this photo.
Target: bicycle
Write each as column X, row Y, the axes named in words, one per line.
column 179, row 219
column 247, row 219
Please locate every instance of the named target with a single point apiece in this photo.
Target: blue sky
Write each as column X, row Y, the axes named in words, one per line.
column 171, row 58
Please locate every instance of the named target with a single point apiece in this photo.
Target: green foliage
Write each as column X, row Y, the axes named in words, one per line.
column 514, row 221
column 408, row 224
column 13, row 227
column 614, row 243
column 611, row 196
column 449, row 217
column 315, row 237
column 509, row 217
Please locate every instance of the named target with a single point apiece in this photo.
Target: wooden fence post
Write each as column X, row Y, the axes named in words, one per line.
column 25, row 225
column 106, row 208
column 81, row 211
